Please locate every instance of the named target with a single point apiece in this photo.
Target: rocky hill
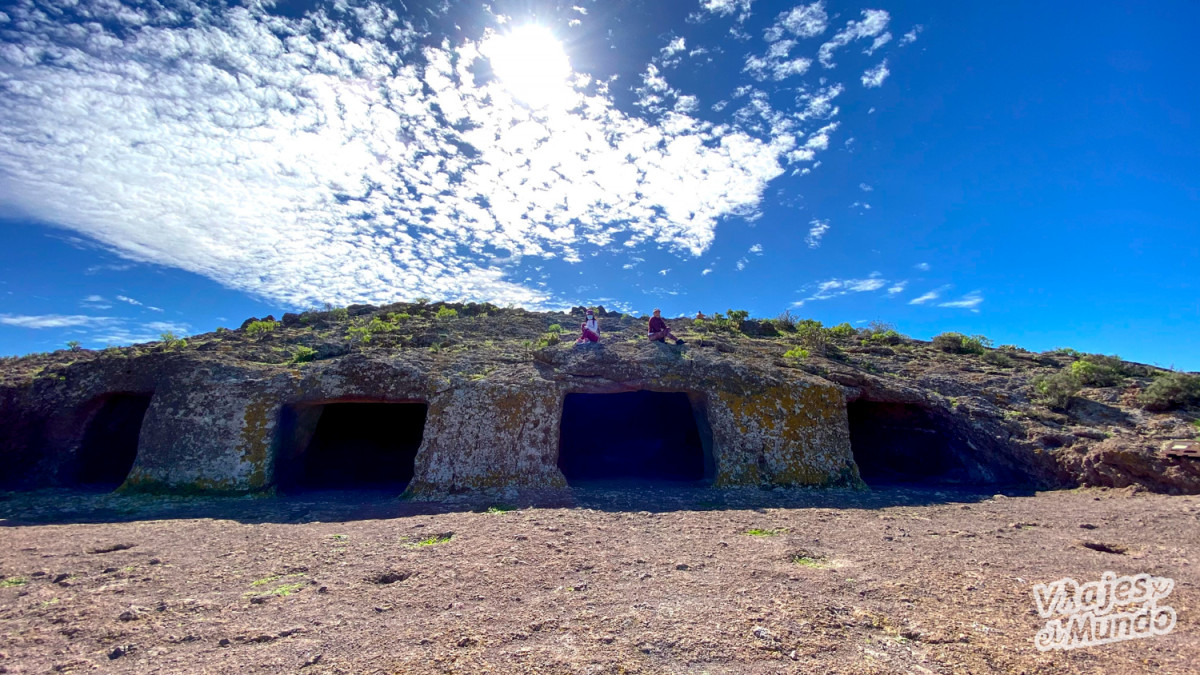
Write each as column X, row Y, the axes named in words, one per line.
column 445, row 397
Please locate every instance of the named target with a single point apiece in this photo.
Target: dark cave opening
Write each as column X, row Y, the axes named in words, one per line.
column 350, row 445
column 110, row 442
column 640, row 435
column 901, row 443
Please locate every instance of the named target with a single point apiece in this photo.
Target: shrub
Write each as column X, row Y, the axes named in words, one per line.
column 1057, row 390
column 798, row 353
column 1067, row 351
column 422, row 301
column 171, row 341
column 843, row 331
column 1092, row 374
column 957, row 343
column 303, row 354
column 358, row 334
column 397, row 317
column 378, row 325
column 446, row 313
column 339, row 314
column 998, row 358
column 1171, row 390
column 884, row 337
column 555, row 328
column 259, row 329
column 221, row 330
column 549, row 339
column 786, row 319
column 700, row 325
column 813, row 336
column 737, row 316
column 73, row 345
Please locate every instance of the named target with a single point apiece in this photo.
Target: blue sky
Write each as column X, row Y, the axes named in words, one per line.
column 1028, row 171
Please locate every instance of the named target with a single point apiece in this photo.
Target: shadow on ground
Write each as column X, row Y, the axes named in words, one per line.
column 74, row 506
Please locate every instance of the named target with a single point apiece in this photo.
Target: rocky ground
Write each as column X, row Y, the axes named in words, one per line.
column 613, row 580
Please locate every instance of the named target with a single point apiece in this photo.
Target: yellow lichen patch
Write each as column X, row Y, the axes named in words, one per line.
column 257, row 435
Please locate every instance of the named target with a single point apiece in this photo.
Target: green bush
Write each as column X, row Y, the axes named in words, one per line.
column 1092, row 374
column 549, row 339
column 1171, row 390
column 555, row 328
column 843, row 331
column 1067, row 351
column 798, row 353
column 737, row 316
column 378, row 325
column 358, row 334
column 303, row 354
column 259, row 329
column 813, row 336
column 885, row 337
column 786, row 320
column 446, row 313
column 957, row 343
column 171, row 341
column 339, row 314
column 73, row 345
column 1057, row 390
column 397, row 317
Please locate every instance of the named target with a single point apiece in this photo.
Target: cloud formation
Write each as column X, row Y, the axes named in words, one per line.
column 344, row 156
column 834, row 288
column 816, row 230
column 874, row 77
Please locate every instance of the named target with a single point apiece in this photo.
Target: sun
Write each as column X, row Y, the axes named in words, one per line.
column 532, row 65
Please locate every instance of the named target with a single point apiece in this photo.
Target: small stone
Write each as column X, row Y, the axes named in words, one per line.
column 155, row 561
column 223, row 642
column 682, row 566
column 117, row 653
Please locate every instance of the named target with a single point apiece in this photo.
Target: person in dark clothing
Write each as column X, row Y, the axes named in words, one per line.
column 659, row 330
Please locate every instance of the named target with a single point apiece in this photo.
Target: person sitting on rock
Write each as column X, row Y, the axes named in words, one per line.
column 659, row 330
column 590, row 330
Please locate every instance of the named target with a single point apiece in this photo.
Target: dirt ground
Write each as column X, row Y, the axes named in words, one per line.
column 647, row 579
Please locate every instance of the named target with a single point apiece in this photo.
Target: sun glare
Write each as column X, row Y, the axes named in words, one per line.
column 531, row 64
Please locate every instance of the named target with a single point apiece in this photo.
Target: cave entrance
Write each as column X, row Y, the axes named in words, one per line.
column 903, row 444
column 641, row 435
column 350, row 445
column 110, row 442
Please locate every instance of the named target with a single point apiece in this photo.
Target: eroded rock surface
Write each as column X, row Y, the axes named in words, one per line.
column 226, row 408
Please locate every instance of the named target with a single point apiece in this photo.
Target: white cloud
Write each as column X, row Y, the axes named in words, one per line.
column 924, row 267
column 896, row 288
column 834, row 288
column 803, row 21
column 129, row 300
column 816, row 230
column 911, row 36
column 96, row 302
column 879, row 41
column 168, row 327
column 741, row 264
column 706, row 271
column 664, row 272
column 969, row 301
column 864, row 187
column 931, row 295
column 874, row 22
column 54, row 320
column 728, row 7
column 756, row 249
column 341, row 156
column 874, row 77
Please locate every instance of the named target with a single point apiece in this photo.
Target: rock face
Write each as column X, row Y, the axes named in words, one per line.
column 219, row 417
column 215, row 427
